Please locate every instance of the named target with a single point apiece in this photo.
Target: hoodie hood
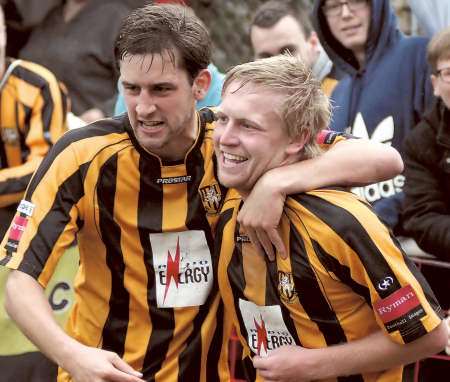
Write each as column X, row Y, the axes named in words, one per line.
column 383, row 31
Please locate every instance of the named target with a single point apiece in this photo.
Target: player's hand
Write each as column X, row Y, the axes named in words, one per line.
column 89, row 364
column 285, row 364
column 260, row 216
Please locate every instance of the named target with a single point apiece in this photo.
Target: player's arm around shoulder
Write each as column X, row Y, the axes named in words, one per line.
column 345, row 162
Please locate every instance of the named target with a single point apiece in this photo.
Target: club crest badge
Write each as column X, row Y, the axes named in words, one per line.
column 211, row 198
column 286, row 287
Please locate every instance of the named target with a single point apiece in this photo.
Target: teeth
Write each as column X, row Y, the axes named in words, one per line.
column 151, row 124
column 233, row 157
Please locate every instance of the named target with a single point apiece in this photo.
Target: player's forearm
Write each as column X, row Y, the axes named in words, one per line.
column 374, row 353
column 348, row 163
column 33, row 314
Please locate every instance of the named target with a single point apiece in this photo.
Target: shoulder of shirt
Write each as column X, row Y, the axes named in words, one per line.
column 105, row 132
column 30, row 71
column 337, row 196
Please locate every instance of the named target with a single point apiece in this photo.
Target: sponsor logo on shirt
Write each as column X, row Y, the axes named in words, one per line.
column 183, row 268
column 399, row 309
column 18, row 225
column 386, row 283
column 26, row 208
column 240, row 239
column 174, row 180
column 266, row 330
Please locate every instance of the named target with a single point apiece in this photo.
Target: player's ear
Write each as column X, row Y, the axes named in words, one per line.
column 201, row 84
column 296, row 144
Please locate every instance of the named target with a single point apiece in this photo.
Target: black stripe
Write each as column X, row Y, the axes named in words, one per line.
column 190, row 357
column 47, row 113
column 273, row 298
column 100, row 128
column 223, row 189
column 249, row 370
column 53, row 224
column 355, row 236
column 3, row 159
column 27, row 121
column 64, row 102
column 212, row 370
column 196, row 215
column 343, row 272
column 150, row 221
column 34, row 79
column 14, row 185
column 309, row 293
column 428, row 292
column 115, row 328
column 312, row 299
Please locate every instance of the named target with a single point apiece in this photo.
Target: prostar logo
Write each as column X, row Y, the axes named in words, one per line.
column 261, row 334
column 173, row 268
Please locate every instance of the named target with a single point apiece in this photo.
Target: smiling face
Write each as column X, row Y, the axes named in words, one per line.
column 441, row 81
column 351, row 26
column 161, row 102
column 250, row 136
column 284, row 36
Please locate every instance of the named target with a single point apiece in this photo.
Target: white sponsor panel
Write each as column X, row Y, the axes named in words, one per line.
column 265, row 327
column 26, row 208
column 183, row 268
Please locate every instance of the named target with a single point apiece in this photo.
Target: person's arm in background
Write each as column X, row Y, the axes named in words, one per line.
column 46, row 125
column 348, row 162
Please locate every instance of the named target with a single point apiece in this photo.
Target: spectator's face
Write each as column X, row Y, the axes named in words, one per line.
column 285, row 36
column 250, row 137
column 441, row 81
column 349, row 22
column 161, row 102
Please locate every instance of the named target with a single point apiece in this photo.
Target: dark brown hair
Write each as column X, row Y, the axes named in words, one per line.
column 154, row 29
column 269, row 13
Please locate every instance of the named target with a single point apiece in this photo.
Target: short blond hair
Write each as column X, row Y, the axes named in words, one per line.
column 305, row 110
column 439, row 48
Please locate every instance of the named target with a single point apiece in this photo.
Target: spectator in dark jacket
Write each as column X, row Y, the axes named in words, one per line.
column 386, row 89
column 427, row 188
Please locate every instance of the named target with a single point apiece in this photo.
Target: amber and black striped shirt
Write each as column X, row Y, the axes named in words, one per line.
column 145, row 288
column 345, row 278
column 33, row 109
